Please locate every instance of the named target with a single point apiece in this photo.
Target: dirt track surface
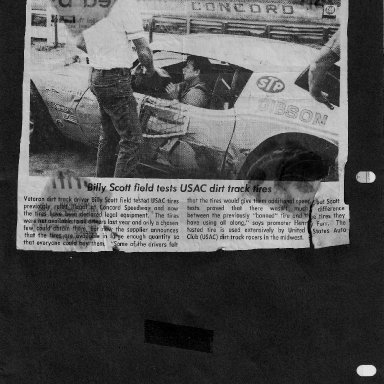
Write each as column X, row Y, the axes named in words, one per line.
column 74, row 157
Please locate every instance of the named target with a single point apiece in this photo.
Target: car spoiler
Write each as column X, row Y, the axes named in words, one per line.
column 300, row 33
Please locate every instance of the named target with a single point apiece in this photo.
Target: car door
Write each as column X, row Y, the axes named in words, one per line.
column 204, row 133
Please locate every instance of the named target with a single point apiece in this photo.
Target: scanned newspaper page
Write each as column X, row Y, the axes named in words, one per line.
column 179, row 125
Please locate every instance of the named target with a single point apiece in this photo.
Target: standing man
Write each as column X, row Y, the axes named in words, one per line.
column 109, row 46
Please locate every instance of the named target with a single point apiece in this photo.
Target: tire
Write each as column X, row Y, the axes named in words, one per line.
column 285, row 164
column 42, row 131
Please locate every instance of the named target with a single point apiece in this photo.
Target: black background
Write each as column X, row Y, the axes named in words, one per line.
column 279, row 316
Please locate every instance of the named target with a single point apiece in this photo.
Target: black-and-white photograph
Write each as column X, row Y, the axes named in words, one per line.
column 184, row 125
column 186, row 89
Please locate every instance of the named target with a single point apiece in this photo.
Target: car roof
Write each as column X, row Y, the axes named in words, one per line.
column 253, row 53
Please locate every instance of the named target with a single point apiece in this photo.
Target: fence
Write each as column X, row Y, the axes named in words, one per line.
column 301, row 33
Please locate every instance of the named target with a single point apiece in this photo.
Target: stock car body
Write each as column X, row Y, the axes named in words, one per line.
column 261, row 123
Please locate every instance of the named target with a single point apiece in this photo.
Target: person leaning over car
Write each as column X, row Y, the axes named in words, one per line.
column 108, row 44
column 193, row 90
column 327, row 56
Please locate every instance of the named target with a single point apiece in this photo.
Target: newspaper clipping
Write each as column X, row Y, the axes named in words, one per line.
column 179, row 125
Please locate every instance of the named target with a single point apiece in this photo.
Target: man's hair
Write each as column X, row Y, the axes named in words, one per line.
column 200, row 63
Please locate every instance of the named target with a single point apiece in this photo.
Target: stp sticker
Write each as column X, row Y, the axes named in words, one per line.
column 270, row 84
column 329, row 11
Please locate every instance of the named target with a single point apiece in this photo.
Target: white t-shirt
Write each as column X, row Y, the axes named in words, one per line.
column 108, row 42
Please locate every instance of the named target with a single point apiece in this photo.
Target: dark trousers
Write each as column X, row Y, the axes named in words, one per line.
column 120, row 126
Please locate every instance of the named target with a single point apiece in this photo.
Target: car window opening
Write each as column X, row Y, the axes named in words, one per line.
column 224, row 82
column 331, row 84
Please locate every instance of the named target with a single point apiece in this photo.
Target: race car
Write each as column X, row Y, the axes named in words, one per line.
column 261, row 122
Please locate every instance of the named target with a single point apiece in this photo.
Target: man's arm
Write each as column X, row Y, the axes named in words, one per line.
column 145, row 54
column 173, row 91
column 327, row 56
column 318, row 70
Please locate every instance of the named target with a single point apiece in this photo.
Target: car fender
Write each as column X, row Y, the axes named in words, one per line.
column 62, row 89
column 326, row 150
column 261, row 112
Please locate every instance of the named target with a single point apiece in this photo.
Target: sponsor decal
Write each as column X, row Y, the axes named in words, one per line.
column 242, row 7
column 329, row 11
column 270, row 84
column 84, row 3
column 59, row 123
column 280, row 108
column 70, row 118
column 58, row 87
column 58, row 107
column 63, row 19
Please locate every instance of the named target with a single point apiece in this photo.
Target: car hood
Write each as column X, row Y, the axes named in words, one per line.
column 64, row 79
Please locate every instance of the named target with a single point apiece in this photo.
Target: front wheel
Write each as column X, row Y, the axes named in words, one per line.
column 42, row 132
column 285, row 164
